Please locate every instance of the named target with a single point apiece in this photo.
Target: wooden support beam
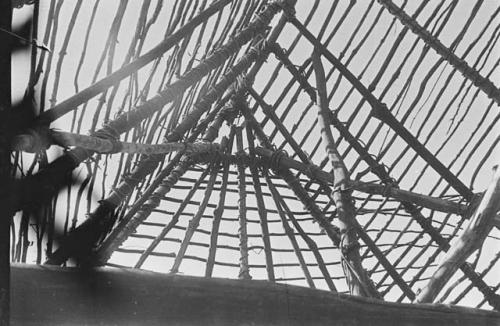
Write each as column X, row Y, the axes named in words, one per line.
column 481, row 82
column 147, row 165
column 244, row 272
column 414, row 211
column 42, row 185
column 314, row 172
column 74, row 101
column 109, row 296
column 261, row 207
column 469, row 241
column 357, row 278
column 380, row 111
column 34, row 142
column 6, row 180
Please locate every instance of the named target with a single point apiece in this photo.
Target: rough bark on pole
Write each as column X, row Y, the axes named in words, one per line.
column 219, row 210
column 315, row 172
column 195, row 221
column 381, row 112
column 242, row 210
column 425, row 223
column 29, row 143
column 469, row 241
column 261, row 208
column 43, row 184
column 189, row 121
column 357, row 278
column 142, row 210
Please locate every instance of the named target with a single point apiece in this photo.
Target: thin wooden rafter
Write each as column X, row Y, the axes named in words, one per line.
column 481, row 82
column 380, row 111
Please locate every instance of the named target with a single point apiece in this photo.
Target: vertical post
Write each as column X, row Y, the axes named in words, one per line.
column 358, row 280
column 242, row 210
column 5, row 165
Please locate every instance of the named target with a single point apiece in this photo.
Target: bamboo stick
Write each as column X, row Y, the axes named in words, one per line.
column 356, row 276
column 311, row 169
column 469, row 241
column 473, row 75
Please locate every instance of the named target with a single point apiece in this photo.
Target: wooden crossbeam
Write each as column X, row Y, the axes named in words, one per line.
column 29, row 143
column 74, row 101
column 380, row 111
column 389, row 191
column 469, row 241
column 53, row 176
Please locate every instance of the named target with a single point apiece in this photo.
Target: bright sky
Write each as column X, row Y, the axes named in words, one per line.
column 465, row 165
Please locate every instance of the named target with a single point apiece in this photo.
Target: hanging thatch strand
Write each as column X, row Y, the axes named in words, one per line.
column 481, row 82
column 469, row 241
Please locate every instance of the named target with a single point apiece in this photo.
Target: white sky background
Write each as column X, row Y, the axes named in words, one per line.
column 303, row 50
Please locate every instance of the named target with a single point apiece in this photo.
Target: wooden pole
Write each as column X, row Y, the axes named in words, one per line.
column 315, row 172
column 357, row 278
column 483, row 83
column 381, row 112
column 109, row 296
column 469, row 241
column 6, row 211
column 31, row 143
column 74, row 101
column 43, row 184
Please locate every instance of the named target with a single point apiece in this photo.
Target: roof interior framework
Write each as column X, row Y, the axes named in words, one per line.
column 408, row 96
